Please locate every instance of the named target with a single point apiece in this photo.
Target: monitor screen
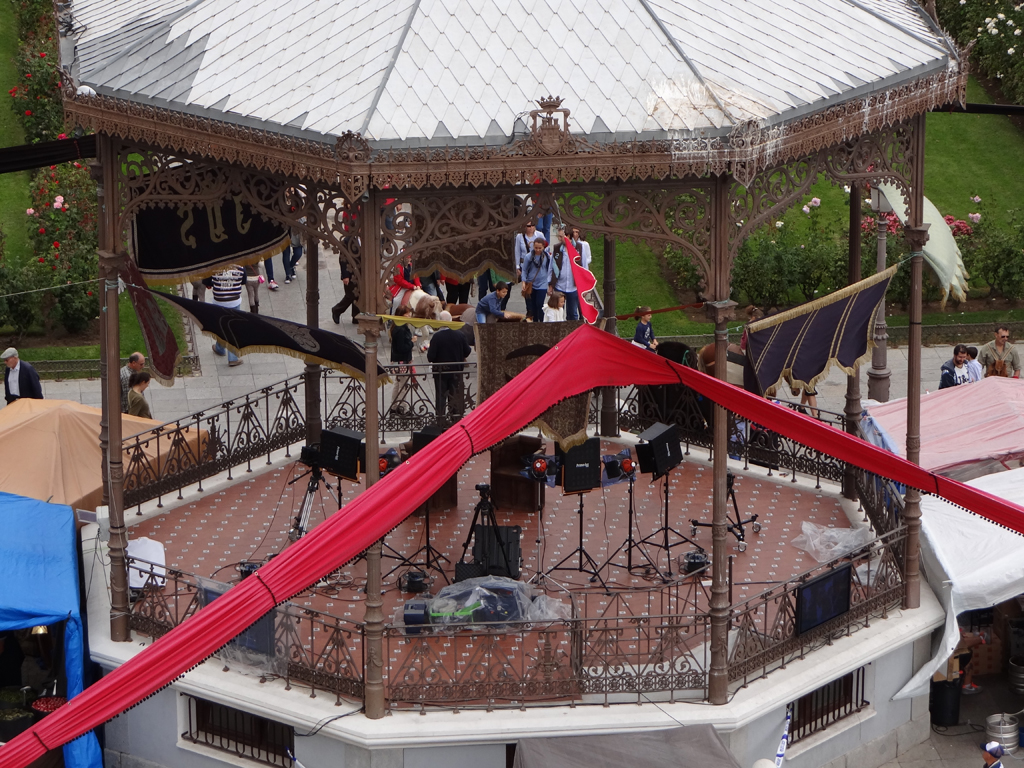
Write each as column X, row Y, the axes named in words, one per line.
column 823, row 598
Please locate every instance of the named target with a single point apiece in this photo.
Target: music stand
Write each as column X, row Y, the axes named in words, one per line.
column 736, row 528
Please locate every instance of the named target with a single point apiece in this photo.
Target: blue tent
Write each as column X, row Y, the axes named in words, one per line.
column 39, row 585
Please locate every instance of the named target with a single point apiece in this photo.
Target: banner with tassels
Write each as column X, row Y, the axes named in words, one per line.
column 189, row 241
column 803, row 343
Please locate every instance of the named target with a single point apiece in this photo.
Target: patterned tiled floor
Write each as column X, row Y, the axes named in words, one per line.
column 249, row 521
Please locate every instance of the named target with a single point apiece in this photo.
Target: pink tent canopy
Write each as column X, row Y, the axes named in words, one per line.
column 966, row 431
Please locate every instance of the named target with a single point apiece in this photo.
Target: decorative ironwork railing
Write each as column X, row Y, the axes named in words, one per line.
column 764, row 628
column 189, row 450
column 321, row 651
column 693, row 416
column 408, row 404
column 511, row 664
column 165, row 459
column 882, row 500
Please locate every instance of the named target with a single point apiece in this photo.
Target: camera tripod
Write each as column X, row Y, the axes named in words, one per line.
column 630, row 543
column 736, row 528
column 484, row 509
column 316, row 476
column 663, row 533
column 432, row 558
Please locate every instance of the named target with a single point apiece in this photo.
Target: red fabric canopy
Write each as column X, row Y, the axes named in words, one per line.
column 586, row 359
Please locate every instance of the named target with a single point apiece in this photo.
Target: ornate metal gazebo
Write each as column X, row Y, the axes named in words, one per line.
column 424, row 132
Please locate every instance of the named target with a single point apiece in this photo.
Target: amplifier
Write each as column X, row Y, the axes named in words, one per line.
column 490, row 541
column 342, row 452
column 581, row 466
column 416, row 615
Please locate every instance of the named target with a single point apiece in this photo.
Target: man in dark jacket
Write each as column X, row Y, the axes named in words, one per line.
column 955, row 372
column 348, row 279
column 448, row 346
column 20, row 378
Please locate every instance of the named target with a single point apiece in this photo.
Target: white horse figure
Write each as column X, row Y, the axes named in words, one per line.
column 423, row 305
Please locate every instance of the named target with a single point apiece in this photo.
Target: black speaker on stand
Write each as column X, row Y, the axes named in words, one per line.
column 343, row 452
column 659, row 454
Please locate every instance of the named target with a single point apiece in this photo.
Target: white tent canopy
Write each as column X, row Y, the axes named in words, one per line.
column 970, row 563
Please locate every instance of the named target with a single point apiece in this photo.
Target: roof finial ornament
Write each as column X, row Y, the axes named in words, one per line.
column 550, row 135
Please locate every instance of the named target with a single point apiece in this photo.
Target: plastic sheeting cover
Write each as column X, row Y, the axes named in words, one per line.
column 692, row 746
column 970, row 563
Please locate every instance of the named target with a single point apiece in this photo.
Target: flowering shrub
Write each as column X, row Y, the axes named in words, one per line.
column 992, row 255
column 62, row 222
column 995, row 27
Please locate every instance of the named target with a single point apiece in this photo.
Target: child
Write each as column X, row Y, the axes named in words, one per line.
column 554, row 312
column 644, row 336
column 973, row 366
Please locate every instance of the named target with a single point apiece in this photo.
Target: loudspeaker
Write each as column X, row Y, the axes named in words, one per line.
column 488, row 543
column 342, row 452
column 424, row 437
column 581, row 466
column 661, row 451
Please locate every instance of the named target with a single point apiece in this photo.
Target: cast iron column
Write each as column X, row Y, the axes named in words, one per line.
column 369, row 326
column 718, row 681
column 879, row 375
column 119, row 631
column 314, row 422
column 609, row 395
column 96, row 172
column 853, row 407
column 917, row 236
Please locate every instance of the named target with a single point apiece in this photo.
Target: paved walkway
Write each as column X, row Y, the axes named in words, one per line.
column 218, row 382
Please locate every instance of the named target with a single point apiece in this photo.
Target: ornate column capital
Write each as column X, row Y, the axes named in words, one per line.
column 720, row 311
column 370, row 326
column 916, row 237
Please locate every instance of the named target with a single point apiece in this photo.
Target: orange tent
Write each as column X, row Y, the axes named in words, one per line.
column 50, row 450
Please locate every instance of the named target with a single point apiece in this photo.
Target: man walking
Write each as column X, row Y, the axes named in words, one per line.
column 136, row 362
column 20, row 378
column 227, row 293
column 955, row 372
column 999, row 357
column 448, row 350
column 348, row 279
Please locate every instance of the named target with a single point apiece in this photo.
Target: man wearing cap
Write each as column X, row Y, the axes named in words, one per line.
column 992, row 752
column 20, row 378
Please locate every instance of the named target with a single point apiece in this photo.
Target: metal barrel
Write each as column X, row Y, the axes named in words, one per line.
column 1005, row 729
column 1016, row 675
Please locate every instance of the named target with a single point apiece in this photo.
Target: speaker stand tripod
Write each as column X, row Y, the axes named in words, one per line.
column 662, row 533
column 432, row 558
column 585, row 563
column 630, row 543
column 737, row 527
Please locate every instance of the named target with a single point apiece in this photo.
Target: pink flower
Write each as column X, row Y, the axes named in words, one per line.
column 62, row 135
column 30, row 212
column 815, row 202
column 975, row 199
column 59, row 199
column 805, row 209
column 975, row 217
column 949, row 219
column 56, row 206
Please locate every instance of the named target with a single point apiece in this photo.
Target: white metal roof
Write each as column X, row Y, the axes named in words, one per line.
column 409, row 72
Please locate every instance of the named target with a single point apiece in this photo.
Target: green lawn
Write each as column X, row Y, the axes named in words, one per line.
column 131, row 336
column 14, row 197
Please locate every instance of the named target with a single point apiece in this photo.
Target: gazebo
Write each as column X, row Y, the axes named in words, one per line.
column 434, row 129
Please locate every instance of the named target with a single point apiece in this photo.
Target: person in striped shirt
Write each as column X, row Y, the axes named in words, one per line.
column 227, row 293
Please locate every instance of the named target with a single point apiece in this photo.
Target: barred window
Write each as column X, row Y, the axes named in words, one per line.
column 240, row 733
column 832, row 702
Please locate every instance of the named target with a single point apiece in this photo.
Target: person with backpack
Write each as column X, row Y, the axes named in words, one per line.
column 536, row 271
